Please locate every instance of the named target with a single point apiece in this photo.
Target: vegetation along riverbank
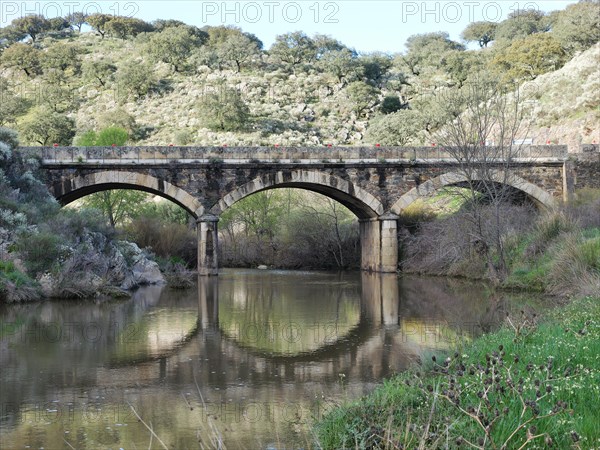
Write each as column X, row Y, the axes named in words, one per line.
column 532, row 384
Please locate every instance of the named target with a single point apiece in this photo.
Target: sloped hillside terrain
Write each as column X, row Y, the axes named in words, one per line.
column 169, row 82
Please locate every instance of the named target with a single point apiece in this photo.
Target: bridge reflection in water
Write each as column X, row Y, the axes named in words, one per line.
column 253, row 354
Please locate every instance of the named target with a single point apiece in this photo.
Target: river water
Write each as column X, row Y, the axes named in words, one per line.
column 244, row 360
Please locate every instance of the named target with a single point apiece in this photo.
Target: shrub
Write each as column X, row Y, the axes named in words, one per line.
column 39, row 251
column 112, row 135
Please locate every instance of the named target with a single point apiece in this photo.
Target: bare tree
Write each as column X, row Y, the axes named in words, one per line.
column 484, row 137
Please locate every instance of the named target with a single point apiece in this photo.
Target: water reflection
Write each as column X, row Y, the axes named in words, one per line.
column 250, row 356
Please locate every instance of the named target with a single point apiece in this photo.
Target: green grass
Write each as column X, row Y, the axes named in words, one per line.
column 562, row 355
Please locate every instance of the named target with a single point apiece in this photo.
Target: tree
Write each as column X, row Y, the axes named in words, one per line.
column 59, row 24
column 293, row 49
column 460, row 65
column 63, row 57
column 239, row 50
column 522, row 23
column 135, row 79
column 362, row 96
column 46, row 127
column 343, row 64
column 390, row 104
column 98, row 22
column 77, row 19
column 426, row 51
column 487, row 117
column 173, row 46
column 218, row 35
column 123, row 27
column 400, row 128
column 99, row 70
column 118, row 205
column 326, row 44
column 13, row 105
column 482, row 32
column 376, row 67
column 530, row 57
column 10, row 35
column 578, row 26
column 56, row 93
column 23, row 57
column 33, row 25
column 224, row 110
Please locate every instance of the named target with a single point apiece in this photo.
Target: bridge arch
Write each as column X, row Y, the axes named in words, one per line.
column 363, row 204
column 68, row 190
column 540, row 197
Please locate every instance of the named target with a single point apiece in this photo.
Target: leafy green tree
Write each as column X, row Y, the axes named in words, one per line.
column 112, row 136
column 325, row 44
column 58, row 24
column 219, row 35
column 99, row 70
column 376, row 67
column 578, row 26
column 23, row 57
column 46, row 127
column 13, row 105
column 362, row 96
column 77, row 19
column 33, row 25
column 343, row 64
column 173, row 46
column 64, row 57
column 124, row 27
column 530, row 57
column 224, row 110
column 57, row 93
column 426, row 50
column 461, row 65
column 118, row 206
column 482, row 32
column 398, row 128
column 521, row 23
column 238, row 50
column 135, row 79
column 10, row 35
column 293, row 49
column 390, row 104
column 98, row 22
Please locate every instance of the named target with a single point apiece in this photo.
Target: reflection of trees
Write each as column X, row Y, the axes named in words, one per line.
column 272, row 315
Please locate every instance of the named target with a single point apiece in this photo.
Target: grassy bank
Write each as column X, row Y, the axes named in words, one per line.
column 532, row 384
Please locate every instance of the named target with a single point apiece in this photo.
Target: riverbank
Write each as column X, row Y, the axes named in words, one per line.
column 535, row 382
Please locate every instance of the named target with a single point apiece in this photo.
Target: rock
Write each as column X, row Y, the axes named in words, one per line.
column 142, row 270
column 262, row 267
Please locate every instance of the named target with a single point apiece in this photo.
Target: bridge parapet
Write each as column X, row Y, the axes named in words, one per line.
column 157, row 154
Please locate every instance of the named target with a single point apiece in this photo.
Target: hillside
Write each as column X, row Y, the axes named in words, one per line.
column 568, row 111
column 167, row 82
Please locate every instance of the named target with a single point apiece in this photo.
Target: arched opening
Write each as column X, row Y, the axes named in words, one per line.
column 155, row 215
column 357, row 200
column 518, row 186
column 68, row 190
column 377, row 232
column 456, row 225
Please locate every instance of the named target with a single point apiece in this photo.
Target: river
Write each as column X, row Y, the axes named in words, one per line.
column 244, row 360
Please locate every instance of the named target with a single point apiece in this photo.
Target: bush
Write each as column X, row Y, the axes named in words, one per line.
column 39, row 251
column 112, row 135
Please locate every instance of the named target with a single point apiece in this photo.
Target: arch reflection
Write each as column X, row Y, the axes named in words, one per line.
column 282, row 314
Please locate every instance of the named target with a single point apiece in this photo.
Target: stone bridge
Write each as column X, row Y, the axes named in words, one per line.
column 375, row 183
